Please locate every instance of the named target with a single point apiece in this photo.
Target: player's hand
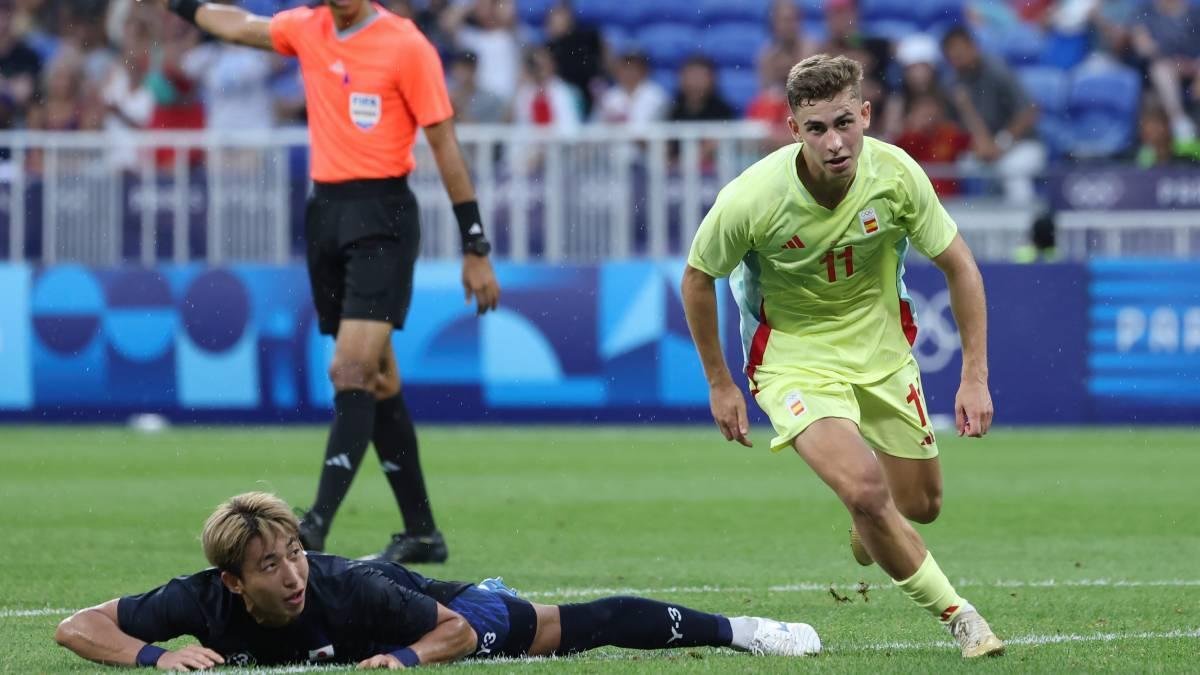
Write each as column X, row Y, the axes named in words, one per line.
column 729, row 412
column 973, row 409
column 381, row 661
column 479, row 281
column 191, row 657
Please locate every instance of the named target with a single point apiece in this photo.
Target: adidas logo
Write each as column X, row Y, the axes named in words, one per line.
column 389, row 467
column 342, row 460
column 794, row 242
column 475, row 230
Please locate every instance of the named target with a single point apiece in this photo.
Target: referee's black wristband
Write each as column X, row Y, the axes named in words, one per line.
column 185, row 8
column 470, row 224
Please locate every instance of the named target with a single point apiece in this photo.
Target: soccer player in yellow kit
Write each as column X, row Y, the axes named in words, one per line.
column 813, row 238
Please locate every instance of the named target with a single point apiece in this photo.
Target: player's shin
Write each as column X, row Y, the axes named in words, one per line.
column 930, row 589
column 638, row 623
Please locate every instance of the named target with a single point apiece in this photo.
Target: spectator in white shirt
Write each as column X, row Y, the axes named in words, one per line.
column 635, row 100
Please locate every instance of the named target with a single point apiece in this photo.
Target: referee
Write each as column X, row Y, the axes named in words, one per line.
column 371, row 79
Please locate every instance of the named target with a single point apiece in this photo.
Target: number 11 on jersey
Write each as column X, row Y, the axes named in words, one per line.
column 831, row 259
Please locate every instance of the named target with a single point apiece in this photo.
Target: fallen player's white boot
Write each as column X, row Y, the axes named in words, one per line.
column 775, row 638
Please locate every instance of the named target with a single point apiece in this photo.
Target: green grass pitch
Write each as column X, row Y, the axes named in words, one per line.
column 1082, row 547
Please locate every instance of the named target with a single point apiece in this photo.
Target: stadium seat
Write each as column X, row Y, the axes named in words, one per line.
column 712, row 12
column 1066, row 51
column 886, row 10
column 1048, row 87
column 1102, row 106
column 667, row 78
column 935, row 16
column 734, row 44
column 534, row 11
column 889, row 29
column 618, row 39
column 668, row 44
column 600, row 13
column 1022, row 45
column 737, row 86
column 682, row 11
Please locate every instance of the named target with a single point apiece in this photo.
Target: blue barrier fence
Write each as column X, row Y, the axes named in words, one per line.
column 1110, row 342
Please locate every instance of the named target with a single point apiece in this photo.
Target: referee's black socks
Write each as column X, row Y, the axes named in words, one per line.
column 396, row 442
column 353, row 422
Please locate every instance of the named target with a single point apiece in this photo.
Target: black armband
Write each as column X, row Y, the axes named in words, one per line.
column 470, row 223
column 185, row 8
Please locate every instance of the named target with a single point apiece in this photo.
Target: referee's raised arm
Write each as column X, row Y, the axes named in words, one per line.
column 225, row 22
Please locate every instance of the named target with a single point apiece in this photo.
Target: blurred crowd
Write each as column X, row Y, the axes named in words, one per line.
column 1006, row 84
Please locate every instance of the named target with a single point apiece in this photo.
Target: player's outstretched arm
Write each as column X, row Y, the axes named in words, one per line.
column 973, row 404
column 726, row 400
column 450, row 640
column 94, row 634
column 225, row 22
column 479, row 280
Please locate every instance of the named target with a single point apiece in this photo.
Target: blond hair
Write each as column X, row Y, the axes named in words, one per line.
column 821, row 78
column 236, row 522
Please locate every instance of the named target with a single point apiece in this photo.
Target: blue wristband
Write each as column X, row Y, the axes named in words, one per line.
column 407, row 657
column 149, row 654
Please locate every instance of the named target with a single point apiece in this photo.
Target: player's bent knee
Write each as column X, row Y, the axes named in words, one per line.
column 868, row 500
column 927, row 511
column 348, row 374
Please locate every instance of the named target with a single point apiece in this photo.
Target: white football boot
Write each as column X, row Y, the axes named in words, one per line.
column 776, row 638
column 974, row 635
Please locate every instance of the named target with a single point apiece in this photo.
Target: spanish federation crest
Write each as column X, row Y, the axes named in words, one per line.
column 870, row 223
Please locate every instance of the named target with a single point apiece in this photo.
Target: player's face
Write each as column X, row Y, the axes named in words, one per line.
column 274, row 579
column 832, row 133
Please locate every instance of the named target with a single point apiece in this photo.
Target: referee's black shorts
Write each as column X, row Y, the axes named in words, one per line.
column 363, row 240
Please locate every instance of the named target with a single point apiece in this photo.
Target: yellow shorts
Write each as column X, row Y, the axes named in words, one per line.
column 891, row 413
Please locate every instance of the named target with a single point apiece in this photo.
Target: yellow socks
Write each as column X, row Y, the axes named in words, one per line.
column 930, row 589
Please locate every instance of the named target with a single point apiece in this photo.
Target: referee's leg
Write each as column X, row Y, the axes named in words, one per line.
column 360, row 347
column 395, row 440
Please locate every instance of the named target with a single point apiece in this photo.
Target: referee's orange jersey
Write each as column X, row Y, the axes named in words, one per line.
column 368, row 90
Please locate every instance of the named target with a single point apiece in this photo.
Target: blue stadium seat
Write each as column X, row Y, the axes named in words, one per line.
column 719, row 11
column 885, row 10
column 1022, row 45
column 618, row 38
column 812, row 8
column 734, row 44
column 667, row 78
column 1102, row 107
column 1046, row 86
column 737, row 86
column 890, row 29
column 683, row 11
column 534, row 11
column 668, row 44
column 936, row 16
column 1066, row 51
column 604, row 12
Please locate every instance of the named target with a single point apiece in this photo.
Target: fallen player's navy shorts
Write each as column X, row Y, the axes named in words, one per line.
column 504, row 625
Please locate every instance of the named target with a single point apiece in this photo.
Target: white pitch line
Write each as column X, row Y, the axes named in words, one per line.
column 800, row 587
column 1026, row 640
column 45, row 611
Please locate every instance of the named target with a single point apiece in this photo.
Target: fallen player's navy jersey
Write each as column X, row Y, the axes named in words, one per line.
column 353, row 610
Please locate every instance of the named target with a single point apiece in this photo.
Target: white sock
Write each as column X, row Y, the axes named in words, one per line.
column 743, row 628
